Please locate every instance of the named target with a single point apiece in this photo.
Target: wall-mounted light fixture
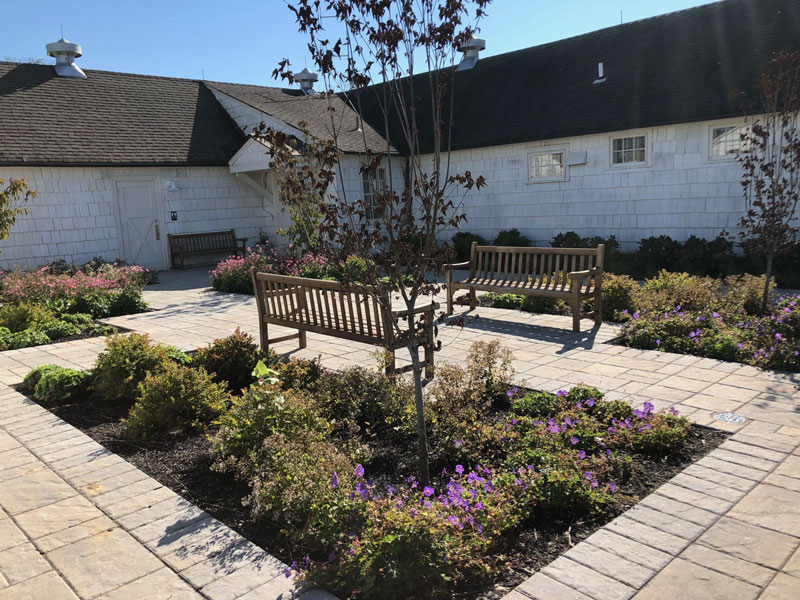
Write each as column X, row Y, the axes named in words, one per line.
column 170, row 185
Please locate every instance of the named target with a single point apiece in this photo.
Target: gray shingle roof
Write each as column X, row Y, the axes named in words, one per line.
column 292, row 106
column 675, row 68
column 110, row 119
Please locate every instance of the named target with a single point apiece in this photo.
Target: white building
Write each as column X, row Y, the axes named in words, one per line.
column 630, row 131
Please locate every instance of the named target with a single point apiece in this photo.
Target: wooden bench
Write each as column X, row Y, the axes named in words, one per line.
column 329, row 308
column 208, row 242
column 570, row 274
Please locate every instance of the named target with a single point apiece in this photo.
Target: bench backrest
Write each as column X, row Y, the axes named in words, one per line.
column 525, row 267
column 207, row 241
column 321, row 306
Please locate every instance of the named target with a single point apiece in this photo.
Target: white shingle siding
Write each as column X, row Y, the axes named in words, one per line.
column 74, row 215
column 680, row 192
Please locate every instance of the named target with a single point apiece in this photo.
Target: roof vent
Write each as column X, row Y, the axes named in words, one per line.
column 601, row 74
column 306, row 80
column 471, row 49
column 65, row 53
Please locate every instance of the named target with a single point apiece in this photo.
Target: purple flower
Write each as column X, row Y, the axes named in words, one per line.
column 460, row 469
column 458, row 443
column 588, row 475
column 512, row 392
column 739, row 345
column 715, row 315
column 612, row 486
column 581, row 454
column 573, row 440
column 428, row 491
column 590, row 402
column 479, row 506
column 358, row 471
column 658, row 342
column 778, row 337
column 562, row 393
column 701, row 318
column 335, row 482
column 673, row 411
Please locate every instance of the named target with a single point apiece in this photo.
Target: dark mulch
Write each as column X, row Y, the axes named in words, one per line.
column 183, row 463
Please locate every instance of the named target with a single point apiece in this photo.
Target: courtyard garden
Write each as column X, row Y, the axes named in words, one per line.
column 320, row 467
column 59, row 302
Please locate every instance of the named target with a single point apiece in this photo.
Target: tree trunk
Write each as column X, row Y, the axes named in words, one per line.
column 422, row 433
column 765, row 296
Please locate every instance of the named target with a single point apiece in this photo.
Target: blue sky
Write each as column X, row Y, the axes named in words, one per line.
column 242, row 40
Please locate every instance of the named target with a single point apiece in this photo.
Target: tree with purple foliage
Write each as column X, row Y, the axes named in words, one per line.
column 770, row 161
column 366, row 48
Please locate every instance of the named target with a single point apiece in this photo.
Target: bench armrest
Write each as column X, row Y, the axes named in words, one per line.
column 586, row 273
column 430, row 306
column 461, row 265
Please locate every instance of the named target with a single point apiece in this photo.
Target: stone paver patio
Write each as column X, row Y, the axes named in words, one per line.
column 726, row 527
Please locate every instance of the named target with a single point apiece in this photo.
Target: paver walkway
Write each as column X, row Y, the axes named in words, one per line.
column 727, row 527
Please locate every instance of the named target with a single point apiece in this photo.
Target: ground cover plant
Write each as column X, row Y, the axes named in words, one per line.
column 60, row 301
column 320, row 467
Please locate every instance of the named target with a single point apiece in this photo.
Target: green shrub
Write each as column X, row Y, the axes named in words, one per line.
column 58, row 329
column 501, row 300
column 178, row 356
column 511, row 237
column 22, row 316
column 745, row 292
column 173, row 398
column 462, row 244
column 298, row 373
column 620, row 294
column 263, row 410
column 126, row 302
column 358, row 401
column 292, row 478
column 32, row 378
column 124, row 364
column 667, row 291
column 58, row 384
column 459, row 398
column 542, row 305
column 537, row 404
column 22, row 339
column 232, row 359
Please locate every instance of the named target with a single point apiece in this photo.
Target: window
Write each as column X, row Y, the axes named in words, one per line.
column 726, row 141
column 547, row 166
column 371, row 187
column 628, row 150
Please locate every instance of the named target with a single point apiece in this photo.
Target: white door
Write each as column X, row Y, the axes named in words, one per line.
column 140, row 223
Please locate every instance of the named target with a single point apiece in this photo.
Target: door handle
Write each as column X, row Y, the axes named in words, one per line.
column 158, row 232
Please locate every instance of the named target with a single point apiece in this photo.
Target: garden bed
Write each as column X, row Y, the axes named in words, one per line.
column 61, row 302
column 517, row 476
column 183, row 463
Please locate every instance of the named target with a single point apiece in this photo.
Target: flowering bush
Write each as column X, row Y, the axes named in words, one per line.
column 232, row 274
column 508, row 457
column 769, row 341
column 58, row 301
column 43, row 286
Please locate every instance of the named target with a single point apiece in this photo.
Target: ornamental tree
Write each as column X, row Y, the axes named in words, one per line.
column 770, row 163
column 365, row 52
column 12, row 198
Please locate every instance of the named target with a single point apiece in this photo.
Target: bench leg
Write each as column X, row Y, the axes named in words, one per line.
column 449, row 286
column 576, row 316
column 575, row 305
column 598, row 308
column 390, row 364
column 429, row 369
column 264, row 332
column 302, row 339
column 473, row 299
